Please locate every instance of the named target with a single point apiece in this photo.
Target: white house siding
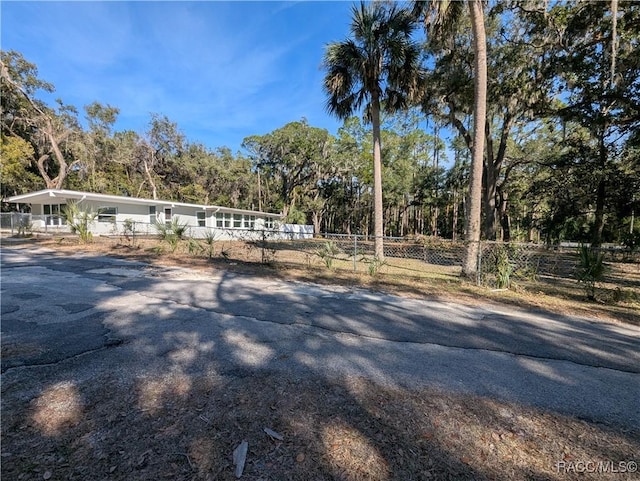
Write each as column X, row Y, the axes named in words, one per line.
column 297, row 231
column 139, row 214
column 225, row 234
column 281, row 232
column 113, row 212
column 185, row 215
column 134, row 212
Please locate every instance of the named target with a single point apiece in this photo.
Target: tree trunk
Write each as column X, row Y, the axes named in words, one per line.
column 436, row 161
column 454, row 221
column 472, row 220
column 493, row 167
column 505, row 222
column 490, row 179
column 49, row 184
column 598, row 226
column 58, row 181
column 406, row 218
column 378, row 221
column 315, row 217
column 149, row 176
column 62, row 164
column 259, row 192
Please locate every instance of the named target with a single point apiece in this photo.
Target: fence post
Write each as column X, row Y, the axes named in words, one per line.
column 11, row 222
column 355, row 252
column 479, row 265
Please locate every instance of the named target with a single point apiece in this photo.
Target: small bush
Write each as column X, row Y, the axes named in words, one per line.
column 210, row 239
column 172, row 233
column 194, row 247
column 504, row 269
column 80, row 221
column 129, row 231
column 328, row 253
column 25, row 227
column 591, row 270
column 375, row 264
column 631, row 240
column 180, row 230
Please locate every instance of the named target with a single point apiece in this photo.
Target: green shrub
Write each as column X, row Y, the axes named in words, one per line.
column 129, row 231
column 328, row 253
column 80, row 220
column 504, row 269
column 591, row 270
column 210, row 240
column 375, row 264
column 631, row 240
column 171, row 233
column 194, row 247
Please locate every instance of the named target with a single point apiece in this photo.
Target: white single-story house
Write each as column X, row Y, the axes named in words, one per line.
column 113, row 213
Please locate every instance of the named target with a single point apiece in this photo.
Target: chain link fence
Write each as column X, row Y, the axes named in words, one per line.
column 499, row 264
column 17, row 223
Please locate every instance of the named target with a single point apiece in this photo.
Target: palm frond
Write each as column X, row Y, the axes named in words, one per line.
column 379, row 58
column 439, row 17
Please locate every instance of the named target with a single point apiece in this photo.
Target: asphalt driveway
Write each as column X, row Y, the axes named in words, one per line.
column 88, row 314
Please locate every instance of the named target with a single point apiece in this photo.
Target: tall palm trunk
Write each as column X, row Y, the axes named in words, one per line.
column 473, row 217
column 601, row 191
column 378, row 223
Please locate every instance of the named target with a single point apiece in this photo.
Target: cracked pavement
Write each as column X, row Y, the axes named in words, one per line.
column 82, row 316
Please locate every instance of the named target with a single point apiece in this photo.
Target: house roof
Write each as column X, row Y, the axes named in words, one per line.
column 49, row 196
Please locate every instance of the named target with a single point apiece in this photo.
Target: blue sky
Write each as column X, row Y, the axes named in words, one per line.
column 221, row 70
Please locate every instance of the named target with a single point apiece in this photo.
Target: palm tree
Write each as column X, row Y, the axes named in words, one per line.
column 440, row 16
column 377, row 68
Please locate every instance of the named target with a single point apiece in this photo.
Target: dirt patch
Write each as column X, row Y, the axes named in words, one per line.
column 177, row 427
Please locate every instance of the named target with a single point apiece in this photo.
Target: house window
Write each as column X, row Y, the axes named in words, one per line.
column 237, row 221
column 269, row 223
column 152, row 214
column 249, row 221
column 202, row 218
column 223, row 220
column 54, row 214
column 107, row 214
column 167, row 215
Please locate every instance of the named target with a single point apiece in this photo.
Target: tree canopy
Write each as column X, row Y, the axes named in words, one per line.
column 562, row 153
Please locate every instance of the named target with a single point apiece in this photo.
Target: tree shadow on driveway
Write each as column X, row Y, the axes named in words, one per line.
column 179, row 369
